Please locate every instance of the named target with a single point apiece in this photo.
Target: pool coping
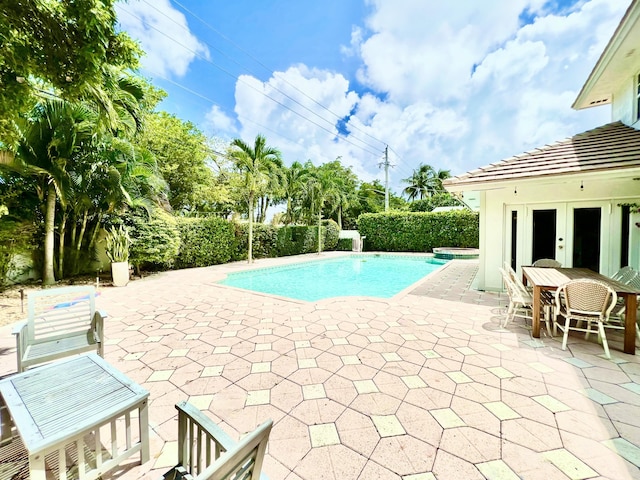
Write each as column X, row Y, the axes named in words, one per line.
column 296, row 260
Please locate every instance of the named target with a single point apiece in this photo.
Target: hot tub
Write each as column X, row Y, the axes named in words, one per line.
column 454, row 253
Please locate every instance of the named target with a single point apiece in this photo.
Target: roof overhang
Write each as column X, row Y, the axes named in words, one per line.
column 611, row 175
column 619, row 62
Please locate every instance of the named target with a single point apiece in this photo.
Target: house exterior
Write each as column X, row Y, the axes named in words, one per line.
column 576, row 200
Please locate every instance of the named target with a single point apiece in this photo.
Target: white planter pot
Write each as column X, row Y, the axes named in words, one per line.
column 120, row 273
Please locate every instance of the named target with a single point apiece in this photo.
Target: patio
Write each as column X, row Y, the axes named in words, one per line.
column 425, row 385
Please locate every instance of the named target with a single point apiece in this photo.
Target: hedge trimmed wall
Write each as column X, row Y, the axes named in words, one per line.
column 272, row 241
column 155, row 239
column 205, row 241
column 419, row 231
column 264, row 240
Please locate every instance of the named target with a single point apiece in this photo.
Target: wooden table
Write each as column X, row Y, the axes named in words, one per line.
column 65, row 403
column 550, row 279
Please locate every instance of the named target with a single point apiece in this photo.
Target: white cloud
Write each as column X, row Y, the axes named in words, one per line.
column 164, row 35
column 219, row 124
column 456, row 85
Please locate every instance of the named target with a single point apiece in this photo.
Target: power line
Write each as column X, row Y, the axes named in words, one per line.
column 268, row 69
column 336, row 133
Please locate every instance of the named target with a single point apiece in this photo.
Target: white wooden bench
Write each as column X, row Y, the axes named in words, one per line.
column 206, row 452
column 60, row 322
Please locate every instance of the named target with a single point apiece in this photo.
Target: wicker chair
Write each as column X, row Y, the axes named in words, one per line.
column 521, row 300
column 585, row 300
column 547, row 263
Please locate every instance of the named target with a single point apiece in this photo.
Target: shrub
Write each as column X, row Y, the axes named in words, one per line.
column 296, row 239
column 155, row 239
column 419, row 232
column 264, row 240
column 205, row 241
column 17, row 247
column 331, row 234
column 345, row 245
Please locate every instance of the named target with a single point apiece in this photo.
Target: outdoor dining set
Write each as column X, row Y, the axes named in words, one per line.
column 77, row 416
column 574, row 299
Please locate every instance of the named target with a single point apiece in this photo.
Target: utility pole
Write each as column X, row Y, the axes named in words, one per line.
column 386, row 178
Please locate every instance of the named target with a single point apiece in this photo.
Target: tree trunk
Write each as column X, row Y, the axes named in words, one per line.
column 250, row 245
column 83, row 228
column 94, row 234
column 340, row 217
column 61, row 242
column 320, row 232
column 74, row 229
column 48, row 277
column 288, row 218
column 265, row 205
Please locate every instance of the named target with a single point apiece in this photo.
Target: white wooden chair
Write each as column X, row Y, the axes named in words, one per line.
column 547, row 263
column 205, row 452
column 618, row 313
column 521, row 300
column 625, row 274
column 585, row 300
column 60, row 322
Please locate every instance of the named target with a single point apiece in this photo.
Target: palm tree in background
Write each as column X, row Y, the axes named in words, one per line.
column 322, row 190
column 424, row 182
column 293, row 183
column 255, row 163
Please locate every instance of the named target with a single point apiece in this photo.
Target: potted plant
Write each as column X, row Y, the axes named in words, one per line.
column 118, row 253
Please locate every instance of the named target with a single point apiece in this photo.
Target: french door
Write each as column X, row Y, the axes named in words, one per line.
column 571, row 233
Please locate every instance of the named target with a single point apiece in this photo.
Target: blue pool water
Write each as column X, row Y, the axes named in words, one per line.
column 380, row 276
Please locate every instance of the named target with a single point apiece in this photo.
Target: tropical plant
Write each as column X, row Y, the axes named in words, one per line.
column 292, row 188
column 118, row 241
column 424, row 182
column 255, row 164
column 63, row 45
column 50, row 139
column 184, row 159
column 322, row 191
column 155, row 238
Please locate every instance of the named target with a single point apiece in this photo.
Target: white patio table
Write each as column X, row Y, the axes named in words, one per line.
column 61, row 403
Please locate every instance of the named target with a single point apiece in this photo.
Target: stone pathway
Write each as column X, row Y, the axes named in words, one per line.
column 426, row 385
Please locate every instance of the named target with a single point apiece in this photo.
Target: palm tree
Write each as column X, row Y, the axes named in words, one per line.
column 293, row 182
column 424, row 182
column 439, row 176
column 50, row 138
column 322, row 190
column 255, row 164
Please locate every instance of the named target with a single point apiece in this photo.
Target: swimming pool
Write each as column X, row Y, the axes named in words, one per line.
column 381, row 276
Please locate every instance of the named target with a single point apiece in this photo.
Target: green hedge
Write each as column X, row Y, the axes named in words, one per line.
column 294, row 240
column 345, row 245
column 264, row 240
column 419, row 231
column 272, row 241
column 155, row 239
column 16, row 238
column 205, row 241
column 331, row 235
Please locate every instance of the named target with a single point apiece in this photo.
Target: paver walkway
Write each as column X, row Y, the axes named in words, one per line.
column 425, row 385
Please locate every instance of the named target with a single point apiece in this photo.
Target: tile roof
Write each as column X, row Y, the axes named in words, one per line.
column 611, row 146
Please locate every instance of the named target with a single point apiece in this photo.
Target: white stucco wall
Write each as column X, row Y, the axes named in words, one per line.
column 623, row 106
column 564, row 194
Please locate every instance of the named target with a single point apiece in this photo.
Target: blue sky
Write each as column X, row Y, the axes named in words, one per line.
column 456, row 85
